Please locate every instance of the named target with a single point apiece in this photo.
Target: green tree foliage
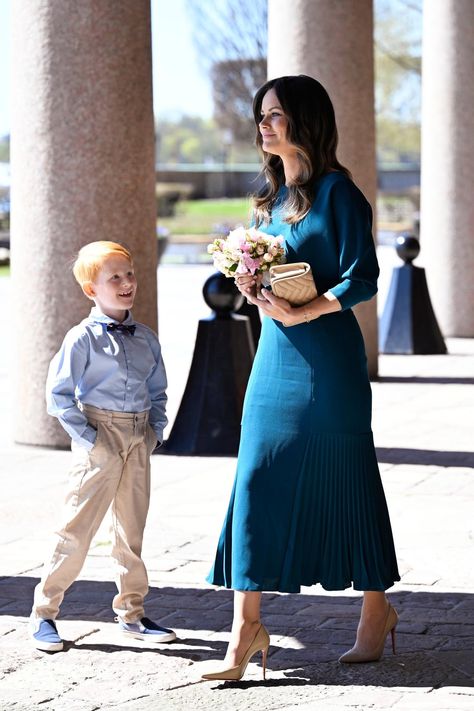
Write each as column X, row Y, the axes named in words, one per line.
column 192, row 139
column 398, row 79
column 231, row 43
column 4, row 149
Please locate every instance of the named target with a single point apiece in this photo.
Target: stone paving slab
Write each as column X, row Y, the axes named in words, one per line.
column 423, row 433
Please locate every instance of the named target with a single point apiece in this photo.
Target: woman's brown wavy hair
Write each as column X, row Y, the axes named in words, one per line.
column 312, row 130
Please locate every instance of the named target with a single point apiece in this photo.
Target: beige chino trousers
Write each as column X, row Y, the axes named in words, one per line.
column 115, row 472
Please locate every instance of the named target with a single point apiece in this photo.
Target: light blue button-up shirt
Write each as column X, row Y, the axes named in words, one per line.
column 110, row 370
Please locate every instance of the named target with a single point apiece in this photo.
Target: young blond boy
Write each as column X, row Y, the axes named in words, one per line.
column 106, row 386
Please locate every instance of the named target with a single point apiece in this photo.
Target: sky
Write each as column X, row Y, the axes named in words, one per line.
column 175, row 64
column 179, row 85
column 4, row 66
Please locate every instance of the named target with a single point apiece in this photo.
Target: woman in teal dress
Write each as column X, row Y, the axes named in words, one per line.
column 307, row 505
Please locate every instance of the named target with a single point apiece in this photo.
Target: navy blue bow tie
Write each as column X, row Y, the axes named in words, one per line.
column 121, row 327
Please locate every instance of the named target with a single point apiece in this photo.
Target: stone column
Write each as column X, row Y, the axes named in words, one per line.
column 333, row 42
column 82, row 170
column 447, row 158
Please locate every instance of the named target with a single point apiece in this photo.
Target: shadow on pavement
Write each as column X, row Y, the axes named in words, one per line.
column 425, row 380
column 435, row 635
column 170, row 650
column 400, row 455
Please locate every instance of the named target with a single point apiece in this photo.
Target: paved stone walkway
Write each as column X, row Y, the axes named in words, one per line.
column 423, row 415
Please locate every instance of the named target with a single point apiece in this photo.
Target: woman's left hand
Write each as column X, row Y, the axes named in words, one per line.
column 275, row 307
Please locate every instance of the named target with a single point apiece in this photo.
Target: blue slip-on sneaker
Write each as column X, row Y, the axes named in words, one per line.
column 147, row 630
column 44, row 635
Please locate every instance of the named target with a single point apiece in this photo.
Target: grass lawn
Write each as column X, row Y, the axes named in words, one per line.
column 199, row 217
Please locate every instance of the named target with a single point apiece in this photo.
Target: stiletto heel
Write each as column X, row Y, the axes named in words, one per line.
column 354, row 656
column 392, row 632
column 260, row 643
column 264, row 662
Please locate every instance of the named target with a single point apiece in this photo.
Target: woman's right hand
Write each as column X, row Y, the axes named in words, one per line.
column 249, row 284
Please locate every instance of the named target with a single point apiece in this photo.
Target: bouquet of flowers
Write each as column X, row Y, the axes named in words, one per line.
column 246, row 251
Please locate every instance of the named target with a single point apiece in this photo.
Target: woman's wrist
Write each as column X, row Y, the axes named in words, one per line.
column 300, row 314
column 306, row 313
column 325, row 304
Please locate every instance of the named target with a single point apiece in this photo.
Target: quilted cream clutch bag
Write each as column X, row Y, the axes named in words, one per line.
column 293, row 282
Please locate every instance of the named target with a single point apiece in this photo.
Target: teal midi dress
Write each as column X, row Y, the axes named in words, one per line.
column 307, row 505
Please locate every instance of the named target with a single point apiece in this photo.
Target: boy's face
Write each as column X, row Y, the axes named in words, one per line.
column 114, row 288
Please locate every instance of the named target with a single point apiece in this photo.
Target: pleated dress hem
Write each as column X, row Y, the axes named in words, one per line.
column 359, row 587
column 331, row 526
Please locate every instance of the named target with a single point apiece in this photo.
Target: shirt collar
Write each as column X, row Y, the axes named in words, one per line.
column 96, row 316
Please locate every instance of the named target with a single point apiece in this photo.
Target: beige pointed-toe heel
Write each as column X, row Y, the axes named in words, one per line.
column 354, row 656
column 260, row 643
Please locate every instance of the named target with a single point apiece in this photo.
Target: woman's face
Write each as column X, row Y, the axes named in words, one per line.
column 273, row 126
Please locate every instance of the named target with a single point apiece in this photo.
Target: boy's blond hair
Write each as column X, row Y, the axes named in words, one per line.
column 92, row 256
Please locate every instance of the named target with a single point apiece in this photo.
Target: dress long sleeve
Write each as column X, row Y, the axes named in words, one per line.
column 358, row 266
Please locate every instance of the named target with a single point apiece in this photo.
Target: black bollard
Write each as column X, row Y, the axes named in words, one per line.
column 208, row 419
column 408, row 324
column 255, row 323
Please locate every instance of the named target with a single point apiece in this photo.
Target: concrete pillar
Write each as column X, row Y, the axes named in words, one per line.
column 82, row 170
column 333, row 42
column 447, row 157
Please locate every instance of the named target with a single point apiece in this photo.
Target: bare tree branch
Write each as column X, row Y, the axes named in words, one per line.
column 231, row 39
column 409, row 62
column 415, row 6
column 229, row 29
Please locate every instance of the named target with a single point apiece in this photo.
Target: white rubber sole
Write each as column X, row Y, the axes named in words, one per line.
column 156, row 639
column 48, row 646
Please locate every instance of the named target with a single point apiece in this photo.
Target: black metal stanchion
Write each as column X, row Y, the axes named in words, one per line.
column 208, row 419
column 408, row 324
column 255, row 323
